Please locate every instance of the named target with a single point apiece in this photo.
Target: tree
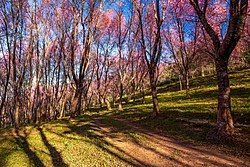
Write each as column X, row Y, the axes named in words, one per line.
column 223, row 46
column 182, row 42
column 121, row 36
column 79, row 68
column 153, row 53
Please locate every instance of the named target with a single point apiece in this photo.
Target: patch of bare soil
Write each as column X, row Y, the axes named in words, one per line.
column 158, row 150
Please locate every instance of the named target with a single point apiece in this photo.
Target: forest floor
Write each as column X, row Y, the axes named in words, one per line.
column 134, row 138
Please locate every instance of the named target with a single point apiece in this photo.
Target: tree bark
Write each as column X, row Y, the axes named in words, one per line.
column 187, row 83
column 180, row 82
column 142, row 94
column 156, row 109
column 108, row 104
column 202, row 70
column 17, row 115
column 224, row 119
column 77, row 103
column 120, row 108
column 100, row 101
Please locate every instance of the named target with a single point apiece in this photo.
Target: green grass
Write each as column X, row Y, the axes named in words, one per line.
column 56, row 144
column 80, row 142
column 190, row 119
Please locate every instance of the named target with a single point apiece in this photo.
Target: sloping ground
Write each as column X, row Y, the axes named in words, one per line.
column 133, row 138
column 104, row 141
column 190, row 119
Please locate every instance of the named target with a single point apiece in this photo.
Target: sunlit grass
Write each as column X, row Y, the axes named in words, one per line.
column 80, row 142
column 190, row 118
column 76, row 145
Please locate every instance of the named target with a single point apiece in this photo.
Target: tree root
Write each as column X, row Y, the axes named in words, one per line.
column 220, row 134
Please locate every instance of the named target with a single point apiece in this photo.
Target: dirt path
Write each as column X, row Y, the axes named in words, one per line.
column 158, row 150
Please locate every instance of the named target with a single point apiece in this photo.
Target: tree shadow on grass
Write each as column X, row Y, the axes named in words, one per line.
column 98, row 137
column 188, row 126
column 6, row 149
column 185, row 145
column 88, row 130
column 55, row 155
column 22, row 142
column 238, row 92
column 95, row 131
column 192, row 109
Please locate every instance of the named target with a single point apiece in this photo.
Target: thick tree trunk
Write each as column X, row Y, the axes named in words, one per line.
column 77, row 103
column 224, row 118
column 156, row 108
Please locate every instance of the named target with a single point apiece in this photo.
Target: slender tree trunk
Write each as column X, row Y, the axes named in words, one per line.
column 113, row 98
column 1, row 120
column 17, row 115
column 4, row 93
column 129, row 96
column 187, row 83
column 120, row 108
column 180, row 82
column 100, row 100
column 63, row 107
column 134, row 97
column 202, row 70
column 108, row 104
column 79, row 104
column 224, row 119
column 156, row 108
column 143, row 94
column 133, row 90
column 16, row 106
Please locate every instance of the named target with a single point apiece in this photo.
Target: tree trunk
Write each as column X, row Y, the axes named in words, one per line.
column 100, row 100
column 187, row 83
column 180, row 82
column 16, row 107
column 142, row 92
column 120, row 98
column 129, row 97
column 63, row 107
column 77, row 103
column 108, row 104
column 17, row 116
column 156, row 109
column 1, row 118
column 225, row 124
column 202, row 71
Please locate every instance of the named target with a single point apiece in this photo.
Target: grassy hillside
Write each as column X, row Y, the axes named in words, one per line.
column 193, row 116
column 91, row 140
